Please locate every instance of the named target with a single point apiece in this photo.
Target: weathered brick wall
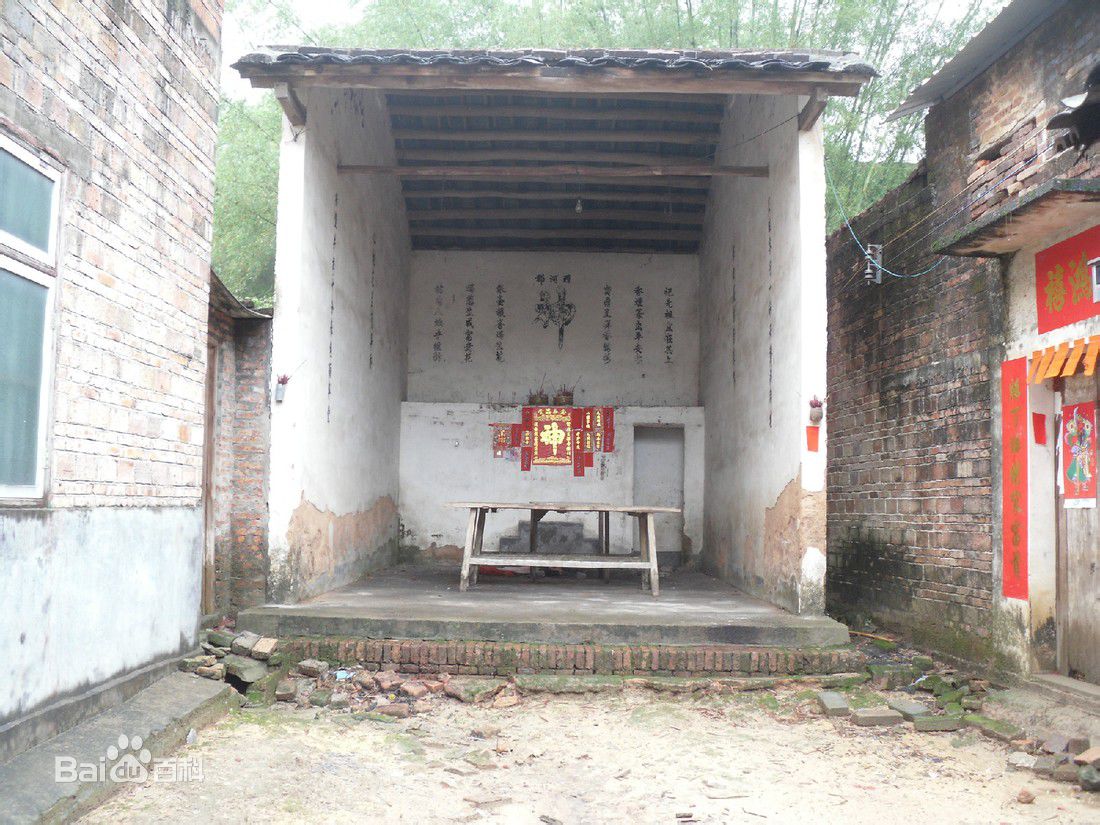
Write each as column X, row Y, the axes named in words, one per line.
column 913, row 362
column 251, row 475
column 241, row 433
column 124, row 96
column 506, row 658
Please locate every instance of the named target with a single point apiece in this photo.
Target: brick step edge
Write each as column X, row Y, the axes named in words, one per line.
column 507, row 658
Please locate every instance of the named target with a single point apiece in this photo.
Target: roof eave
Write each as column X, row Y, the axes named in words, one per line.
column 1015, row 22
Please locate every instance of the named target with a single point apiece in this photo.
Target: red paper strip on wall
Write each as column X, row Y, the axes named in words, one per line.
column 1039, row 427
column 1014, row 499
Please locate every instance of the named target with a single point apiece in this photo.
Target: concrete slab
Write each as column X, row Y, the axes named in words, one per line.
column 872, row 717
column 425, row 603
column 833, row 703
column 161, row 714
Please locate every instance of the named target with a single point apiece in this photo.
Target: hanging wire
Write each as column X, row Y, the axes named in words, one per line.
column 862, row 248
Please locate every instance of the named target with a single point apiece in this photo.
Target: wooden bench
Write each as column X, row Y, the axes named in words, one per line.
column 645, row 559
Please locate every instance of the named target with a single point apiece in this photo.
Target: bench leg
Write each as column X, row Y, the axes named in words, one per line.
column 651, row 543
column 643, row 547
column 605, row 541
column 479, row 541
column 533, row 539
column 468, row 550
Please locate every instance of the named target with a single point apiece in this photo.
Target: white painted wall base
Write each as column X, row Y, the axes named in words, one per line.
column 89, row 594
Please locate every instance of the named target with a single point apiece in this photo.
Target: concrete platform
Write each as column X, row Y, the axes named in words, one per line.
column 161, row 715
column 420, row 603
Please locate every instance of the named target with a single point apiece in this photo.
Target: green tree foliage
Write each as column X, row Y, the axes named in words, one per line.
column 246, row 185
column 906, row 40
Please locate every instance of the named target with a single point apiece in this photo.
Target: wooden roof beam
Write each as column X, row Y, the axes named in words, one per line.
column 413, row 155
column 562, row 213
column 638, row 192
column 813, row 109
column 672, row 171
column 293, row 107
column 556, row 80
column 555, row 113
column 545, row 136
column 504, row 233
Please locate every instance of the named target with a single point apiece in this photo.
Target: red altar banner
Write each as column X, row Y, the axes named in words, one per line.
column 1063, row 282
column 1079, row 454
column 1014, row 445
column 557, row 436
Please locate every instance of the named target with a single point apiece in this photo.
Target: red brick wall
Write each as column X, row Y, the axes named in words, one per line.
column 241, row 432
column 913, row 362
column 506, row 658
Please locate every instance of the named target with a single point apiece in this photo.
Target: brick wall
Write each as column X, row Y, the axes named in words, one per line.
column 123, row 95
column 241, row 433
column 252, row 440
column 506, row 658
column 913, row 362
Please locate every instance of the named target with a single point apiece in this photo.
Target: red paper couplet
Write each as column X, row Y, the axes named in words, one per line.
column 1014, row 499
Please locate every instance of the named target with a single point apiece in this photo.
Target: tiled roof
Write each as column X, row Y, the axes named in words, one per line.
column 769, row 61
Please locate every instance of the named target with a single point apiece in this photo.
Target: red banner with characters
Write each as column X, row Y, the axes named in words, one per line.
column 1063, row 281
column 557, row 436
column 1079, row 454
column 1014, row 444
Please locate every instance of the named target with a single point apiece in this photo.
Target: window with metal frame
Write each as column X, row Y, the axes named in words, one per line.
column 29, row 195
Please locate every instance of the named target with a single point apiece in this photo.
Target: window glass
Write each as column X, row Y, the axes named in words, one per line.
column 22, row 331
column 26, row 202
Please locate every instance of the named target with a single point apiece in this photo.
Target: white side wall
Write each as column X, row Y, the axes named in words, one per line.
column 446, row 455
column 763, row 324
column 445, row 365
column 90, row 593
column 339, row 332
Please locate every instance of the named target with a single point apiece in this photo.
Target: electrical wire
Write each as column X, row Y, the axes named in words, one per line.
column 862, row 248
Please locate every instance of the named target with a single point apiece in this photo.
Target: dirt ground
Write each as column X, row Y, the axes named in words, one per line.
column 633, row 757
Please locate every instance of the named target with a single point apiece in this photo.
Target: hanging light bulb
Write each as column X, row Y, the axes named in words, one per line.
column 579, row 207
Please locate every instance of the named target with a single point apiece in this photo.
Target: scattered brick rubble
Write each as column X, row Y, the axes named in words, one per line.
column 907, row 687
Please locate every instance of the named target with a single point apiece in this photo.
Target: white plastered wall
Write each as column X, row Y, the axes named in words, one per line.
column 447, row 456
column 339, row 331
column 526, row 354
column 763, row 329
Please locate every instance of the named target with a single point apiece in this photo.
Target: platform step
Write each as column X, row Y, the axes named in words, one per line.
column 617, row 562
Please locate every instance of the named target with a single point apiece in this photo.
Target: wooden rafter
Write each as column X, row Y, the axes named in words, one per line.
column 293, row 108
column 458, row 153
column 563, row 213
column 813, row 109
column 637, row 194
column 548, row 136
column 556, row 114
column 569, row 233
column 558, row 171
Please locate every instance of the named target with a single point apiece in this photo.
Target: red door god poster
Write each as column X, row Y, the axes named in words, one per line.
column 1014, row 440
column 1079, row 454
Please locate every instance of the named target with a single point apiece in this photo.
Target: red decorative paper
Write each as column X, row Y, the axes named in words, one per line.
column 557, row 436
column 1014, row 503
column 1039, row 427
column 1063, row 282
column 1079, row 452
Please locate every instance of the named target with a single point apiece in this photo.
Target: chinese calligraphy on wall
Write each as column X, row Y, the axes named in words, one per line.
column 1063, row 281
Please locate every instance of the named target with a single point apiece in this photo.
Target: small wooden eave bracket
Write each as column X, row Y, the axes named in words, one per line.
column 292, row 105
column 812, row 110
